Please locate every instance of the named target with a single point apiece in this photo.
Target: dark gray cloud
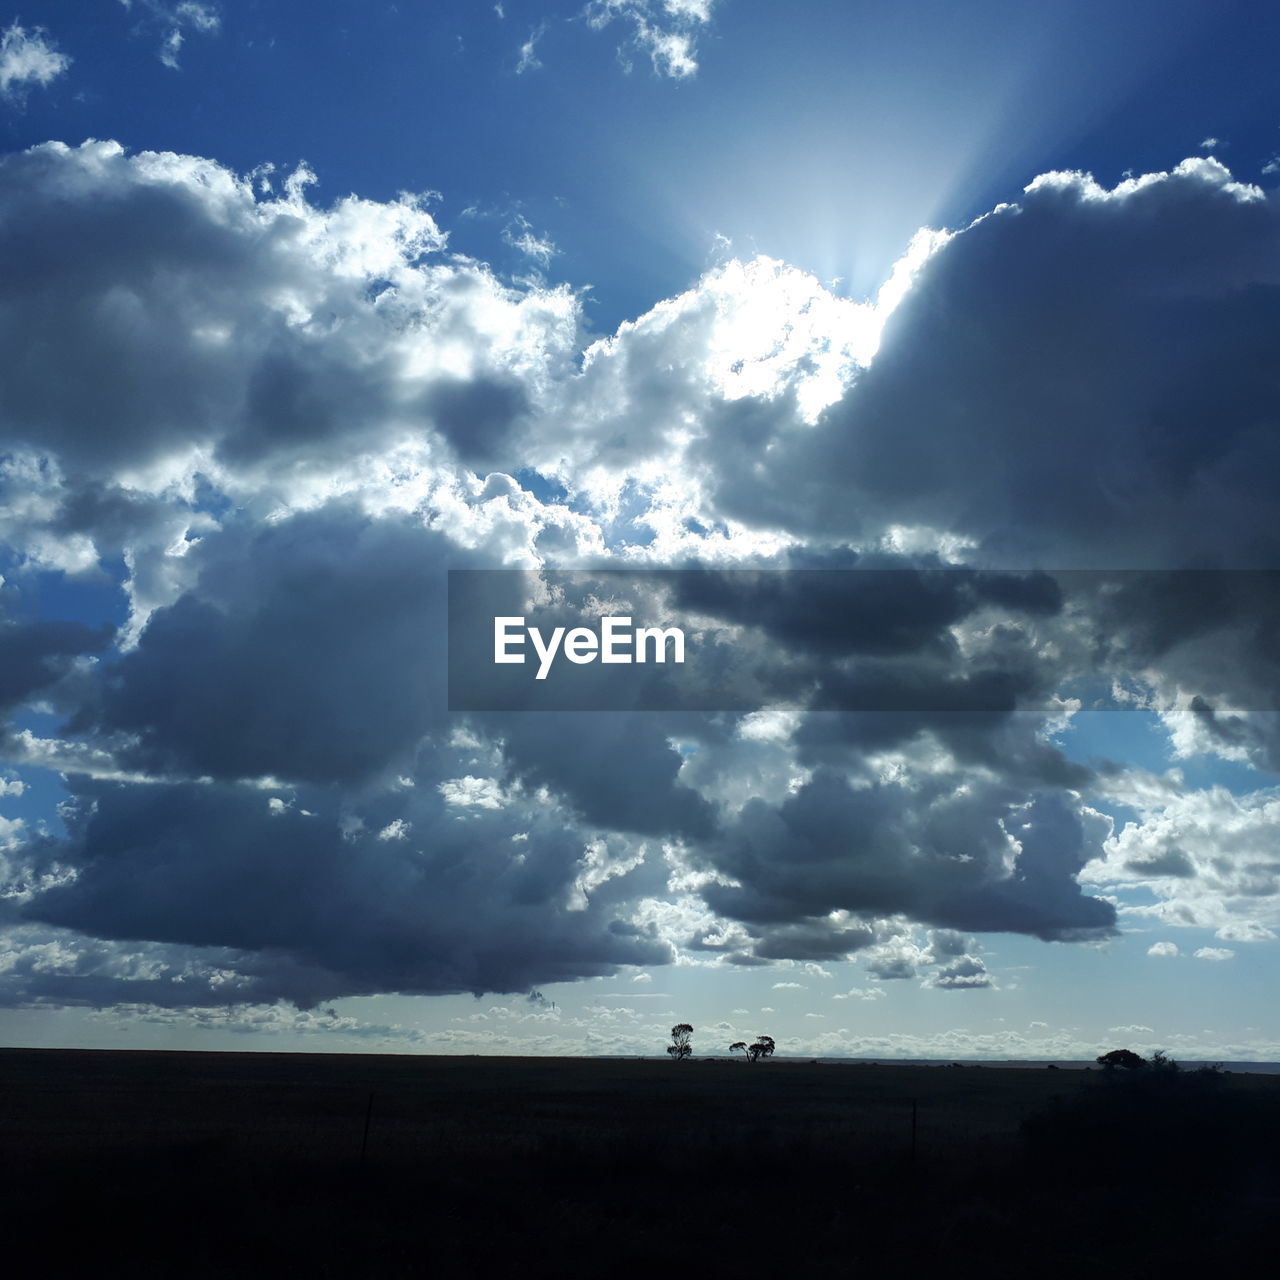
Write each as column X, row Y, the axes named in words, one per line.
column 1083, row 379
column 36, row 655
column 308, row 649
column 968, row 973
column 437, row 904
column 982, row 859
column 616, row 770
column 878, row 605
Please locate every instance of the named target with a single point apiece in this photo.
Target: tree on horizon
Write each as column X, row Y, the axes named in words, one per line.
column 762, row 1048
column 680, row 1048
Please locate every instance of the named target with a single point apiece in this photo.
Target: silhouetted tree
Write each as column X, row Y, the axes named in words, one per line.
column 762, row 1048
column 1126, row 1059
column 680, row 1047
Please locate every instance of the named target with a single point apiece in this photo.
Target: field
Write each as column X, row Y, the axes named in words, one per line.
column 194, row 1164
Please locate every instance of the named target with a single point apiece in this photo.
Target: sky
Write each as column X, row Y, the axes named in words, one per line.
column 304, row 306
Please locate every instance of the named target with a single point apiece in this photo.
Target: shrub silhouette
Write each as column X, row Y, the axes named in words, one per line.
column 1178, row 1120
column 1123, row 1058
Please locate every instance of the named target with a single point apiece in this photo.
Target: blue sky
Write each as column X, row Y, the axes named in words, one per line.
column 824, row 134
column 341, row 296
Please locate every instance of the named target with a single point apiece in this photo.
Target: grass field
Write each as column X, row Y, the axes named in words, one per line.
column 195, row 1164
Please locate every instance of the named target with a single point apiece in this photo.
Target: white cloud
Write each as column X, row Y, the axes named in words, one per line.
column 1208, row 856
column 529, row 60
column 1215, row 953
column 1163, row 949
column 11, row 833
column 28, row 58
column 667, row 30
column 519, row 234
column 1246, row 931
column 176, row 21
column 473, row 793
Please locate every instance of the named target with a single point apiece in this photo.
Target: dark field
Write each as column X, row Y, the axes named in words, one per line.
column 190, row 1164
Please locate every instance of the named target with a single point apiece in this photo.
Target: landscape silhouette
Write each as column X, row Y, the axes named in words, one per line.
column 358, row 1165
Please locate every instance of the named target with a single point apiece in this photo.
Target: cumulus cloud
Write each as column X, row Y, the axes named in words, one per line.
column 966, row 973
column 1163, row 949
column 1206, row 856
column 1214, row 953
column 28, row 58
column 979, row 860
column 376, row 914
column 983, row 428
column 286, row 333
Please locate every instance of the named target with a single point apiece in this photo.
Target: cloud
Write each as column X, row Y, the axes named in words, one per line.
column 285, row 333
column 1215, row 953
column 944, row 858
column 529, row 60
column 176, row 20
column 1206, row 855
column 450, row 908
column 1246, row 931
column 667, row 30
column 964, row 974
column 36, row 656
column 1163, row 949
column 28, row 58
column 289, row 421
column 983, row 428
column 520, row 235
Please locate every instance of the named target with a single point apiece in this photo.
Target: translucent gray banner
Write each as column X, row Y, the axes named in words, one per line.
column 878, row 639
